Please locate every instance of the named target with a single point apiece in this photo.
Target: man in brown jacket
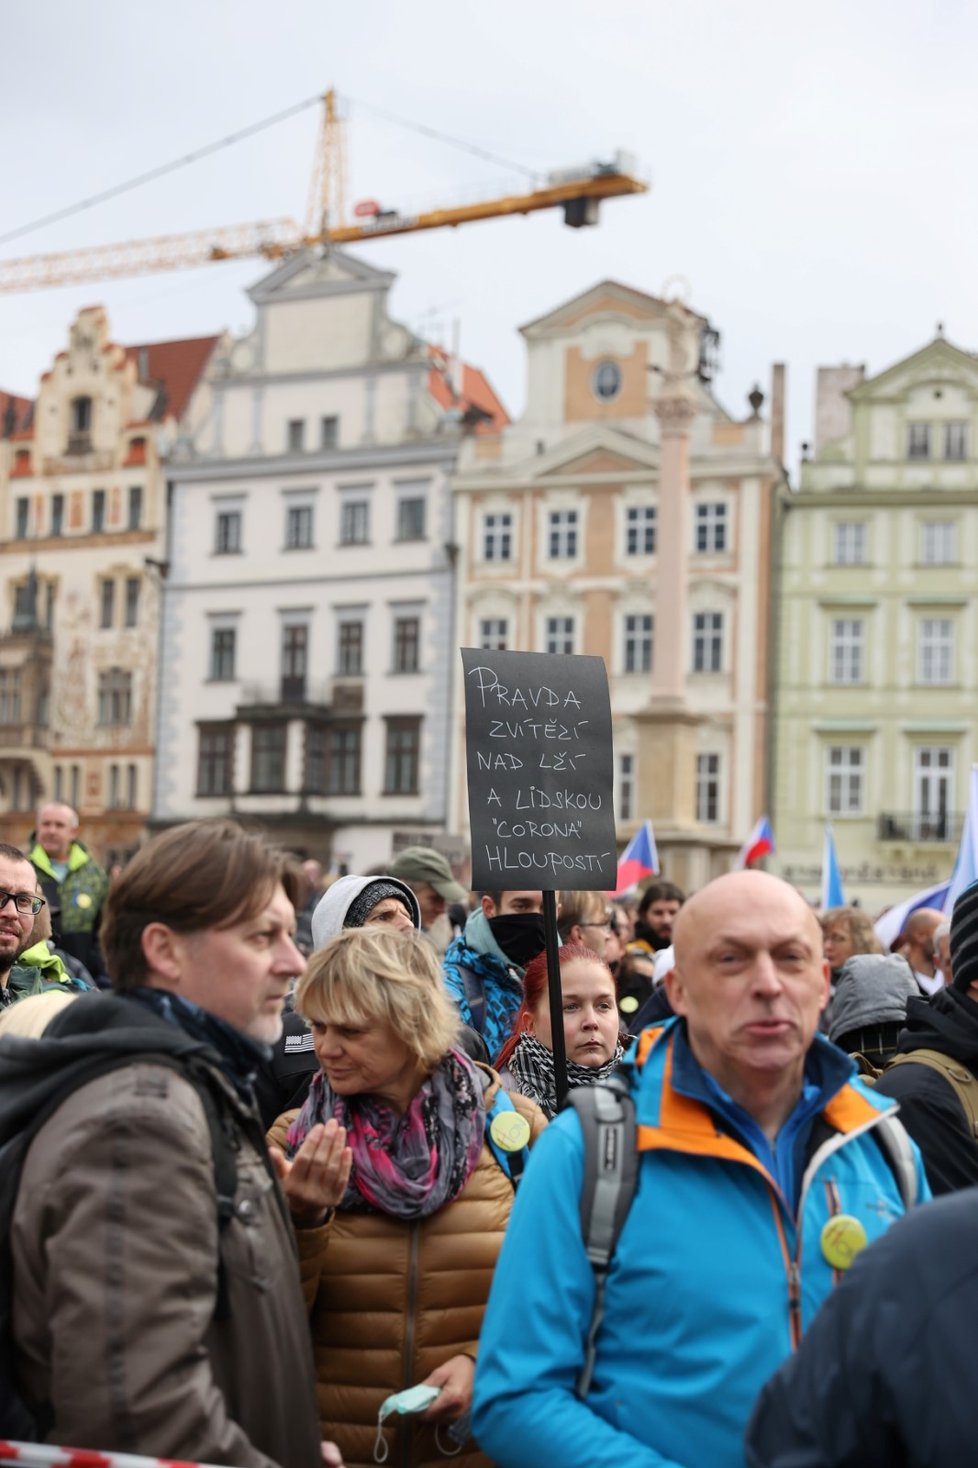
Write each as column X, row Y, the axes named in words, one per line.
column 151, row 1315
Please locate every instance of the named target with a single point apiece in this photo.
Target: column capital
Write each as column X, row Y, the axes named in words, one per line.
column 675, row 413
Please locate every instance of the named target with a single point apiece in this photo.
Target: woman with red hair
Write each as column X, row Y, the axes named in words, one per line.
column 591, row 1028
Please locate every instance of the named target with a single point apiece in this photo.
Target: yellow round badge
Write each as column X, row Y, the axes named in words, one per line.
column 83, row 900
column 629, row 1004
column 843, row 1237
column 509, row 1130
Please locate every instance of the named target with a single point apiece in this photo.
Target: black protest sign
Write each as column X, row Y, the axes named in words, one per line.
column 538, row 750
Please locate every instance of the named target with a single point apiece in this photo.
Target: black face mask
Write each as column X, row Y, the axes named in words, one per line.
column 520, row 935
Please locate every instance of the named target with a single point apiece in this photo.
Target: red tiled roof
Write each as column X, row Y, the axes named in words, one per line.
column 476, row 393
column 174, row 367
column 21, row 411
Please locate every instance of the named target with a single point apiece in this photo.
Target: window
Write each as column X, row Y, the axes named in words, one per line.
column 295, row 659
column 626, row 787
column 98, row 511
column 640, row 526
column 933, row 792
column 935, row 651
column 849, row 547
column 707, row 642
column 9, row 695
column 402, row 756
column 343, row 774
column 132, row 786
column 562, row 534
column 411, row 518
column 107, row 604
column 559, row 636
column 215, row 759
column 354, row 522
column 223, row 649
column 296, row 435
column 711, row 529
column 606, row 381
column 918, row 441
column 497, row 537
column 708, row 788
column 407, row 638
column 227, row 533
column 135, row 516
column 846, row 650
column 132, row 601
column 268, row 758
column 115, row 697
column 937, row 543
column 314, row 760
column 23, row 518
column 955, row 440
column 58, row 784
column 349, row 648
column 298, row 527
column 81, row 415
column 638, row 643
column 57, row 514
column 844, row 779
column 494, row 634
column 114, row 801
column 75, row 786
column 329, row 432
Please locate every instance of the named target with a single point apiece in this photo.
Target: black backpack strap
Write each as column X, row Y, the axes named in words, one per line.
column 607, row 1115
column 475, row 997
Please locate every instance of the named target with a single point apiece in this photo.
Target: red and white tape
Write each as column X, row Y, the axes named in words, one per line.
column 37, row 1455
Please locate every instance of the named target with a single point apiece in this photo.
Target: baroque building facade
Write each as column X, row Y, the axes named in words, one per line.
column 82, row 515
column 878, row 618
column 627, row 515
column 309, row 643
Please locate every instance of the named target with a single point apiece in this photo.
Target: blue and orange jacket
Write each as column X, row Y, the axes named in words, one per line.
column 718, row 1269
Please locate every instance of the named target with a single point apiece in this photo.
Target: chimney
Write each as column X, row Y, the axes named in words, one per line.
column 833, row 415
column 777, row 412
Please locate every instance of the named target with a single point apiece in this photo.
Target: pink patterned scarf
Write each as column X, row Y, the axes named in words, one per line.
column 406, row 1166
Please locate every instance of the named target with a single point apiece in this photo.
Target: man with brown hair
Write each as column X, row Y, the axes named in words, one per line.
column 156, row 1299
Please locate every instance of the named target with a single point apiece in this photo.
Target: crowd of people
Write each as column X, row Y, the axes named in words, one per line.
column 285, row 1166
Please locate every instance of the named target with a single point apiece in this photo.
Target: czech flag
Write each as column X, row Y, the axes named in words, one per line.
column 639, row 859
column 759, row 843
column 832, row 894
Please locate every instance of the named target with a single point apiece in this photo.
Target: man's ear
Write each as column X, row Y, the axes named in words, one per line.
column 675, row 990
column 163, row 950
column 827, row 981
column 488, row 907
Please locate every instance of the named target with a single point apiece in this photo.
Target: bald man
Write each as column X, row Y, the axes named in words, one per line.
column 764, row 1165
column 74, row 885
column 917, row 946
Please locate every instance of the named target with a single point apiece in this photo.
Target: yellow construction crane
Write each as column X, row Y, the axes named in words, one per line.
column 579, row 191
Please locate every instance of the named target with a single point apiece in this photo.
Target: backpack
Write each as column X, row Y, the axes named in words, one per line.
column 19, row 1421
column 959, row 1078
column 606, row 1112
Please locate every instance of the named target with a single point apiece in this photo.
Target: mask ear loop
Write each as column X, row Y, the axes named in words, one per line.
column 381, row 1445
column 452, row 1452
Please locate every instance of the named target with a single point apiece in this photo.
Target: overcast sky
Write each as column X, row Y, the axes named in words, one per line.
column 812, row 164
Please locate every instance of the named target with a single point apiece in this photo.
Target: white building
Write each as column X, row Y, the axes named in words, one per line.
column 309, row 646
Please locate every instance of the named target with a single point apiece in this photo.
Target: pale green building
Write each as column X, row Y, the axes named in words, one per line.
column 876, row 628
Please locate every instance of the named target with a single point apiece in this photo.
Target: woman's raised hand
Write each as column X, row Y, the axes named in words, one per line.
column 315, row 1180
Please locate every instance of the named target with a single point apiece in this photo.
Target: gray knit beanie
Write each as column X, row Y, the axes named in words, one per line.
column 349, row 900
column 964, row 939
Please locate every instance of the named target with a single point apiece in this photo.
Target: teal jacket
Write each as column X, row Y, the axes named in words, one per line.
column 718, row 1268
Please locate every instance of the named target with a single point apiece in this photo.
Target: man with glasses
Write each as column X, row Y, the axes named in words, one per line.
column 20, row 907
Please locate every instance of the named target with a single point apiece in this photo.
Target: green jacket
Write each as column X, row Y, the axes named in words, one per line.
column 36, row 970
column 76, row 902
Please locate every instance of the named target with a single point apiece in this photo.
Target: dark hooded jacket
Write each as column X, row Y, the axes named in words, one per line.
column 125, row 1326
column 884, row 1376
column 929, row 1109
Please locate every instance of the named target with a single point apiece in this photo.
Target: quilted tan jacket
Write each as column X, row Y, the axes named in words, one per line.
column 391, row 1300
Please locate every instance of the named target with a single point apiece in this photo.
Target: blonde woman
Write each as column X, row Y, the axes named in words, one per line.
column 394, row 1137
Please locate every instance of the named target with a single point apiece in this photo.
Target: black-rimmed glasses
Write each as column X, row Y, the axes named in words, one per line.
column 23, row 901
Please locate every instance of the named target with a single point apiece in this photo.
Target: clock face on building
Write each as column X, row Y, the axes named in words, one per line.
column 606, row 381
